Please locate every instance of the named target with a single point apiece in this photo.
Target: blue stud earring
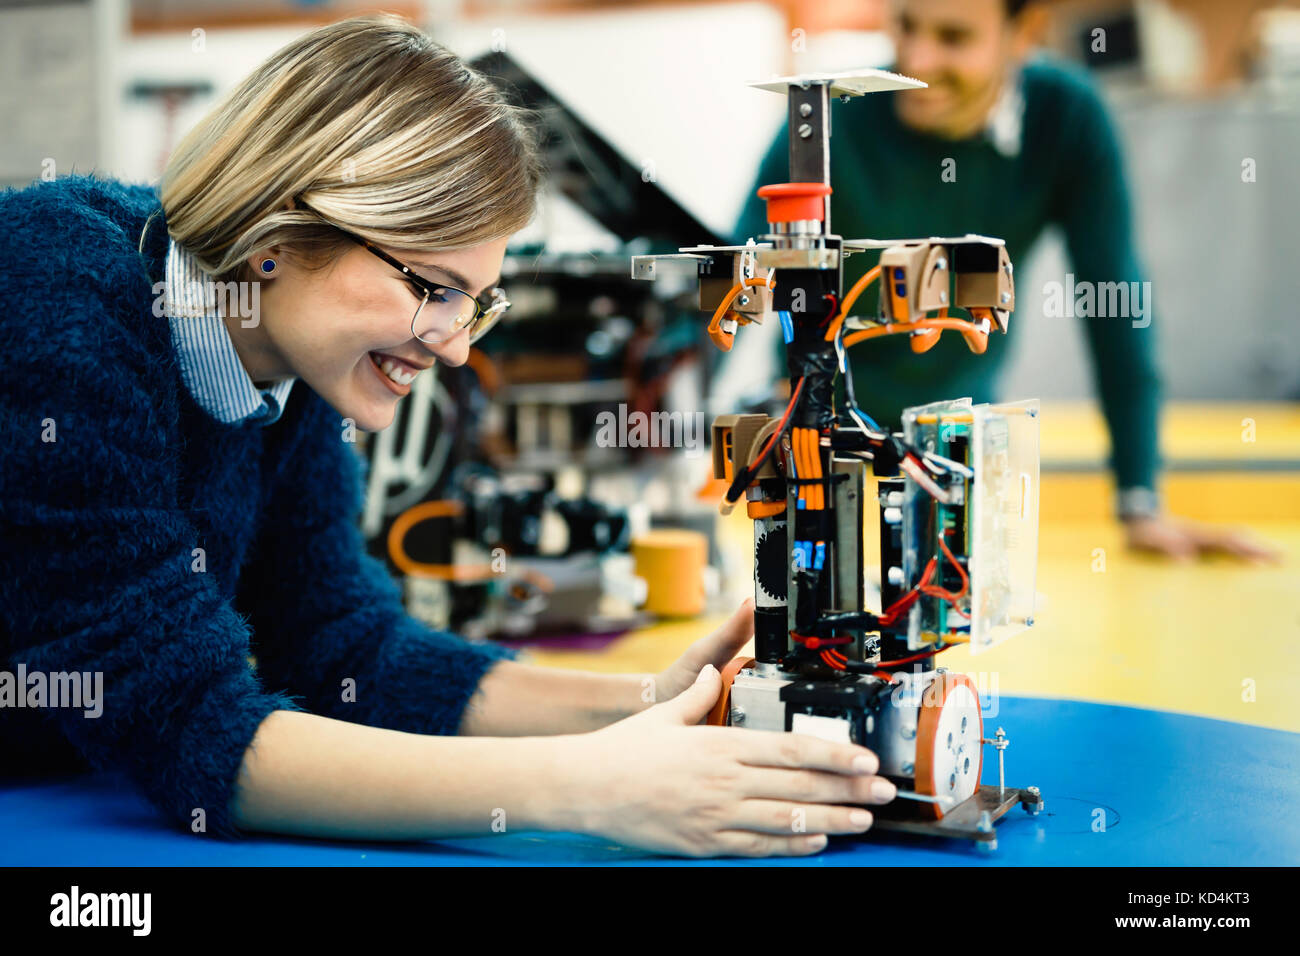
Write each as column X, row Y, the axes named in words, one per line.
column 268, row 267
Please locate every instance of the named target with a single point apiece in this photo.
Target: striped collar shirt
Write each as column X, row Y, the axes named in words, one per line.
column 209, row 363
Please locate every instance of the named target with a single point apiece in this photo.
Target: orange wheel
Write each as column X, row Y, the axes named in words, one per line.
column 949, row 728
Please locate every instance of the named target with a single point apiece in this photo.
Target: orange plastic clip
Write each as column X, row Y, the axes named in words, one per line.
column 721, row 711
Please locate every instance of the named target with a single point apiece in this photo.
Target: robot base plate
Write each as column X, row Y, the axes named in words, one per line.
column 972, row 819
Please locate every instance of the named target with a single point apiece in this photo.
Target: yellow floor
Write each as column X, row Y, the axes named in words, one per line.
column 1237, row 434
column 1213, row 638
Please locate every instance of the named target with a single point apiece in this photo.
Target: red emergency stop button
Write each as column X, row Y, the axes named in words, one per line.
column 793, row 202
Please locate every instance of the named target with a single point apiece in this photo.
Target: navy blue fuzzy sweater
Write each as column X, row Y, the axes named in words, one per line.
column 98, row 531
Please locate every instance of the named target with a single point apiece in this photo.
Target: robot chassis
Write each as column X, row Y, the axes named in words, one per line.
column 957, row 493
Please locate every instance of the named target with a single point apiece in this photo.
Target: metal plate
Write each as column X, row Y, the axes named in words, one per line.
column 643, row 267
column 757, row 702
column 861, row 245
column 962, row 821
column 797, row 258
column 849, row 83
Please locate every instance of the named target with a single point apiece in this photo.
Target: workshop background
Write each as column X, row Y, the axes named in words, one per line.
column 651, row 101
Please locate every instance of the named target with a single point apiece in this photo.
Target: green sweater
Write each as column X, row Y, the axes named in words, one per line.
column 888, row 182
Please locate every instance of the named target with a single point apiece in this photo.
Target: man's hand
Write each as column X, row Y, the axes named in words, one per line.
column 717, row 649
column 1184, row 540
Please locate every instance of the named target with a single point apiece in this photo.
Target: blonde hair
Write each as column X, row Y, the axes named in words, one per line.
column 375, row 127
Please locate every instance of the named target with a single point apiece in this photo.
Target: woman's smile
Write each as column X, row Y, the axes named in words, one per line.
column 396, row 373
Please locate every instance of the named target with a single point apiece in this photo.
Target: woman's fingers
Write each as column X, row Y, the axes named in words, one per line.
column 1232, row 542
column 783, row 817
column 724, row 643
column 814, row 786
column 766, row 748
column 745, row 843
column 716, row 648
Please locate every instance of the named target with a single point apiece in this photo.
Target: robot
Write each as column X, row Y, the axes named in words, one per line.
column 956, row 490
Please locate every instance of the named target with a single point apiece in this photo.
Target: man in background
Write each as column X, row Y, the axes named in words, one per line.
column 1003, row 146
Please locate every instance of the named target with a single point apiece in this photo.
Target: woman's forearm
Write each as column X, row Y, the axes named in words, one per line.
column 316, row 776
column 515, row 699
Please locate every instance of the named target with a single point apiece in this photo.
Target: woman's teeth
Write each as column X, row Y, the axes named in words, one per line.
column 395, row 372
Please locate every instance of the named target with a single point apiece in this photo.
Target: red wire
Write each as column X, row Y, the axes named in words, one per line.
column 914, row 657
column 821, row 641
column 835, row 304
column 794, row 397
column 944, row 593
column 908, row 599
column 773, row 437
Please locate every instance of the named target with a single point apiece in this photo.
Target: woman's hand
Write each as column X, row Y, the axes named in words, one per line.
column 1183, row 540
column 658, row 781
column 716, row 649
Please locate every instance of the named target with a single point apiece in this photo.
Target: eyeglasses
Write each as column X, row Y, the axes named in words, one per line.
column 444, row 311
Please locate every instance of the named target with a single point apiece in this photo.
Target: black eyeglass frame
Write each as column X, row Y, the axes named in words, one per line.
column 494, row 311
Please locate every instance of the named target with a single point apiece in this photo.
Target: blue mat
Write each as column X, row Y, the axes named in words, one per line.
column 1172, row 789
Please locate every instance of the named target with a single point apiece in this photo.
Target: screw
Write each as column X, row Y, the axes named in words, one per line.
column 805, row 110
column 1006, row 297
column 737, row 714
column 805, row 131
column 909, row 768
column 1000, row 742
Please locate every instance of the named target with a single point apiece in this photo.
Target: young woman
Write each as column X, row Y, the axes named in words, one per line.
column 179, row 497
